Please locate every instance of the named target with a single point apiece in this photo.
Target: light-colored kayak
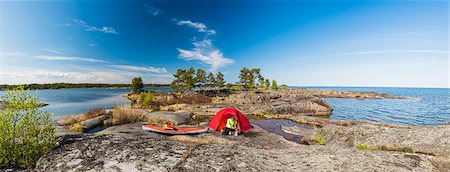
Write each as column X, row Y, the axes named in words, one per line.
column 178, row 131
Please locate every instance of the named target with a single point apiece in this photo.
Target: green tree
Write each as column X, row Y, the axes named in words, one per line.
column 184, row 80
column 26, row 133
column 211, row 79
column 219, row 81
column 179, row 82
column 200, row 77
column 243, row 76
column 247, row 77
column 261, row 81
column 137, row 85
column 267, row 84
column 274, row 85
column 190, row 78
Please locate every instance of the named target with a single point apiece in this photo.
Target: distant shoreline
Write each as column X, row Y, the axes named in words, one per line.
column 74, row 85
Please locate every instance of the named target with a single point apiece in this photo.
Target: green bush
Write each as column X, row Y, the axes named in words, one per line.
column 26, row 133
column 146, row 99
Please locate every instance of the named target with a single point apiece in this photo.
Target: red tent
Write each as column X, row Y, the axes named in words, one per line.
column 219, row 121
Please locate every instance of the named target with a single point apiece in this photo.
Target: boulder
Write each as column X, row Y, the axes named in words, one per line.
column 304, row 108
column 108, row 122
column 176, row 118
column 308, row 135
column 94, row 122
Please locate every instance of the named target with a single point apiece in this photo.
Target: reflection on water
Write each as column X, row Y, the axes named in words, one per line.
column 274, row 126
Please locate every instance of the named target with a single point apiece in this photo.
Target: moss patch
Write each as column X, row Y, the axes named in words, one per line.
column 398, row 149
column 320, row 139
column 365, row 147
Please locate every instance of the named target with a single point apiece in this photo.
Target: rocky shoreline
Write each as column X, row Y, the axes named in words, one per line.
column 332, row 145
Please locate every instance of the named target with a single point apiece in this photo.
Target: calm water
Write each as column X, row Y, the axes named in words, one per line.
column 433, row 109
column 63, row 102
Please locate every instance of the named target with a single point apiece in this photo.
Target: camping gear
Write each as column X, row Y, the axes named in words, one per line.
column 169, row 127
column 177, row 131
column 219, row 121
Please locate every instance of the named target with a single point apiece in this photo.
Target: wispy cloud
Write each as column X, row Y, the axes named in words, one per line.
column 12, row 54
column 69, row 58
column 90, row 28
column 205, row 52
column 154, row 11
column 53, row 51
column 141, row 69
column 390, row 52
column 200, row 27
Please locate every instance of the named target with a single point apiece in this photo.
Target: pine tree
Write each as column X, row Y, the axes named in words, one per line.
column 219, row 81
column 267, row 84
column 274, row 85
column 200, row 77
column 211, row 79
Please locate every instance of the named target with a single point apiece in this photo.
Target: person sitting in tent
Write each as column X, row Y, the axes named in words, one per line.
column 238, row 122
column 231, row 126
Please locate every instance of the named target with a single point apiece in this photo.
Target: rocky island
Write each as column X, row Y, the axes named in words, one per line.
column 328, row 145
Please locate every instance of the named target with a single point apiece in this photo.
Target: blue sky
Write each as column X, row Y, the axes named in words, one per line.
column 302, row 43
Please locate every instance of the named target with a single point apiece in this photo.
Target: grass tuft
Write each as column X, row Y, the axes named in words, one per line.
column 76, row 119
column 124, row 115
column 67, row 121
column 77, row 127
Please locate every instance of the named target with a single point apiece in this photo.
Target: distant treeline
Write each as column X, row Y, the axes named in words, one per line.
column 72, row 85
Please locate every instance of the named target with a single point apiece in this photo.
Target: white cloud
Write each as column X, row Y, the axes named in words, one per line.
column 87, row 27
column 205, row 52
column 196, row 25
column 67, row 58
column 142, row 69
column 26, row 75
column 53, row 51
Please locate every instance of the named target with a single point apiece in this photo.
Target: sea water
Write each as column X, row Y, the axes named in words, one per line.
column 432, row 109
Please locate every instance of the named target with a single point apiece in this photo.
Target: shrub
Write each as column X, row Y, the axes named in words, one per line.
column 146, row 99
column 26, row 133
column 365, row 147
column 124, row 115
column 319, row 137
